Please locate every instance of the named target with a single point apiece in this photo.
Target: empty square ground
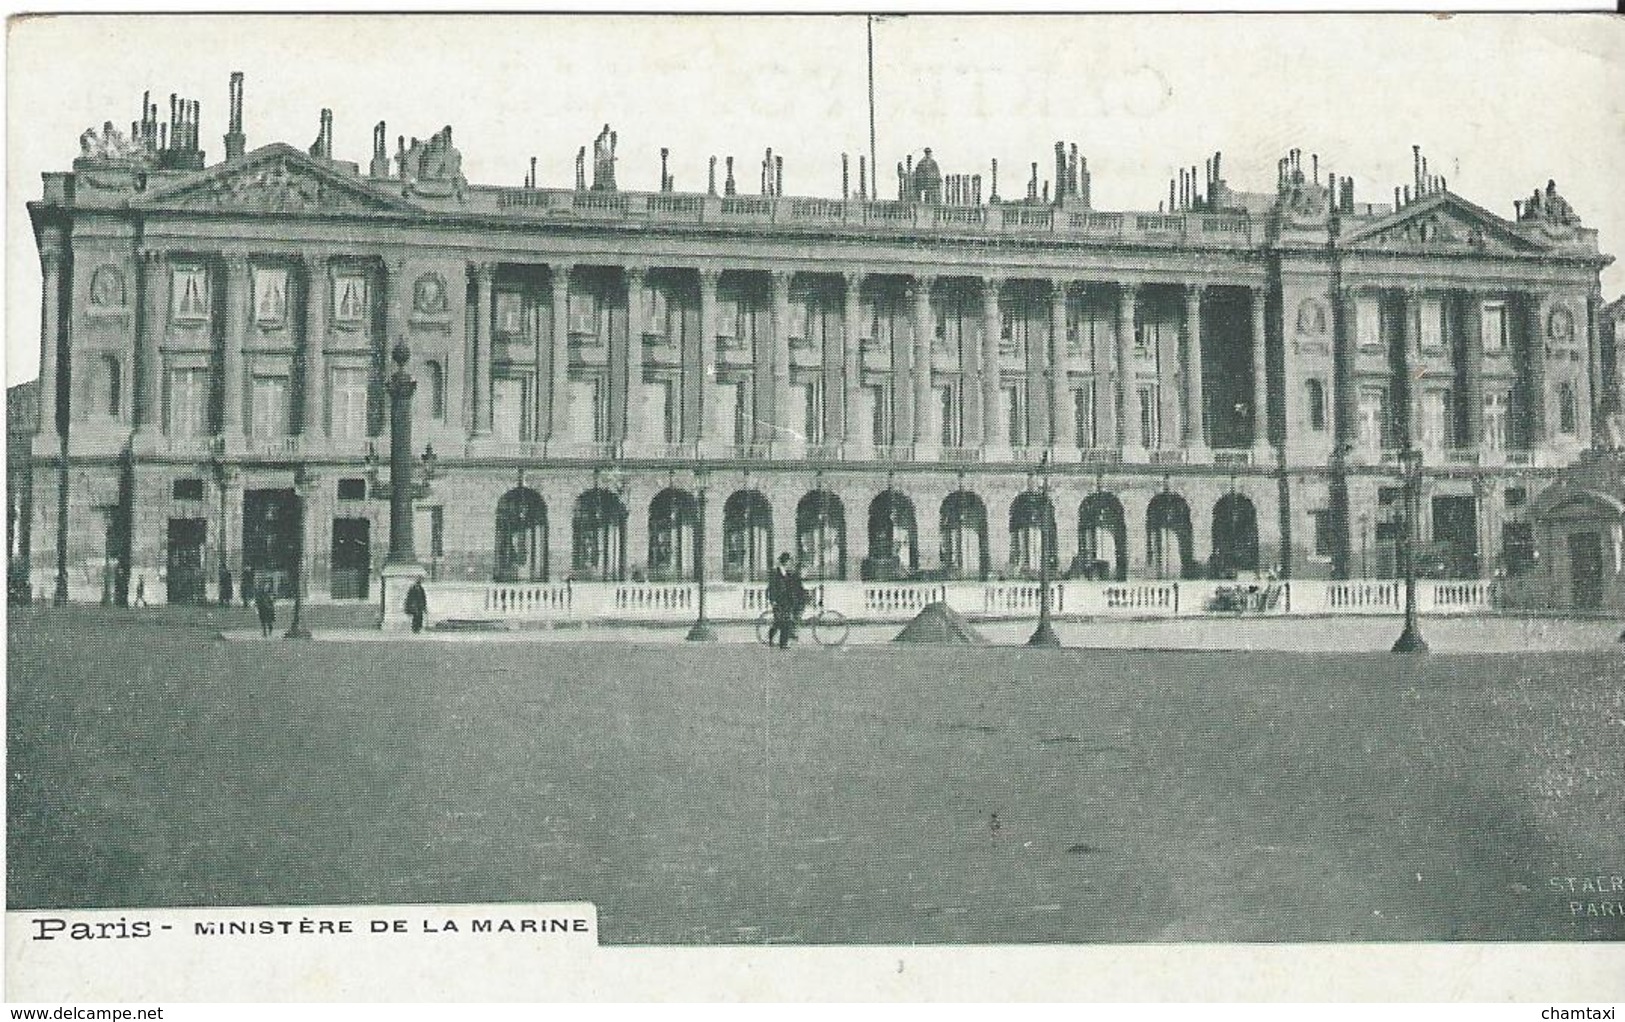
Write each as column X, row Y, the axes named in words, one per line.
column 728, row 794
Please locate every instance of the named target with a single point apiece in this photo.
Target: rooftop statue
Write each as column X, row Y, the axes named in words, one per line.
column 110, row 146
column 1550, row 207
column 927, row 179
column 433, row 167
column 603, row 161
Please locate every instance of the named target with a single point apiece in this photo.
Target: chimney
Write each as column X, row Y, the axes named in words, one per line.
column 1407, row 195
column 665, row 178
column 1032, row 184
column 533, row 172
column 1314, row 167
column 1218, row 175
column 863, row 177
column 1396, row 198
column 846, row 177
column 1427, row 179
column 993, row 183
column 1170, row 195
column 711, row 177
column 976, row 189
column 236, row 142
column 778, row 175
column 1060, row 171
column 581, row 169
column 1416, row 166
column 1072, row 172
column 327, row 133
column 1207, row 170
column 1046, row 191
column 1083, row 180
column 1444, row 185
column 380, row 154
column 163, row 136
column 728, row 186
column 174, row 115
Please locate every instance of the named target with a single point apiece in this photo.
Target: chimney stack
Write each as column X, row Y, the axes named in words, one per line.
column 728, row 185
column 711, row 177
column 976, row 189
column 1416, row 166
column 1170, row 195
column 846, row 177
column 778, row 175
column 1314, row 167
column 533, row 172
column 1032, row 184
column 236, row 141
column 1396, row 198
column 380, row 154
column 993, row 183
column 1407, row 195
column 863, row 177
column 581, row 169
column 1060, row 171
column 665, row 178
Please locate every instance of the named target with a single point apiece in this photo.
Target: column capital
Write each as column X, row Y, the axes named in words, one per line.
column 236, row 262
column 1128, row 292
column 1195, row 290
column 314, row 259
column 483, row 272
column 634, row 273
column 710, row 276
column 993, row 282
column 780, row 278
column 853, row 279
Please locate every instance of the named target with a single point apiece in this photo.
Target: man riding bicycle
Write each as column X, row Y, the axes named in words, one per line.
column 788, row 598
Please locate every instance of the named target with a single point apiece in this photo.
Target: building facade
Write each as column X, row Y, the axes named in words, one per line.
column 1218, row 386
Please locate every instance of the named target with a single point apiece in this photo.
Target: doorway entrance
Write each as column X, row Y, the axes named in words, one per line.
column 271, row 537
column 1585, row 568
column 351, row 558
column 185, row 562
column 1455, row 536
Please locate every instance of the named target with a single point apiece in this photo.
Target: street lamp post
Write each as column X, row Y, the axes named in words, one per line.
column 1043, row 636
column 702, row 630
column 1410, row 640
column 296, row 628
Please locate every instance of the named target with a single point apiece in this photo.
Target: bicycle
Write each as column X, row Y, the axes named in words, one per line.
column 828, row 627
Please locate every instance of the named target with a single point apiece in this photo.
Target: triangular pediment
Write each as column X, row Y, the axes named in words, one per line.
column 1445, row 223
column 276, row 179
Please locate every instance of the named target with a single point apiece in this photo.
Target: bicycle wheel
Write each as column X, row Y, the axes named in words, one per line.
column 764, row 625
column 830, row 629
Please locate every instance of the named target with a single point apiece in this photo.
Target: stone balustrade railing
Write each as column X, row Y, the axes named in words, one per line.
column 677, row 602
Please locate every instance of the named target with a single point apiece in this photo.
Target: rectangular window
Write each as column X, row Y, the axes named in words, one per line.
column 1321, row 520
column 269, row 398
column 349, row 401
column 1493, row 326
column 1373, row 409
column 350, row 298
column 189, row 293
column 1436, row 419
column 660, row 406
column 583, row 313
column 1083, row 416
column 810, row 396
column 354, row 488
column 1432, row 312
column 1013, row 407
column 187, row 489
column 189, row 402
column 508, row 408
column 1368, row 322
column 1317, row 404
column 881, row 419
column 270, row 294
column 1518, row 547
column 1150, row 416
column 510, row 313
column 1568, row 410
column 589, row 419
column 744, row 415
column 948, row 415
column 1496, row 409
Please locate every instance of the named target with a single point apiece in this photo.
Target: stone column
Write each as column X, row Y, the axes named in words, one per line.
column 925, row 410
column 1128, row 417
column 781, row 361
column 1345, row 389
column 706, row 429
column 636, row 430
column 1261, row 379
column 50, row 332
column 1105, row 400
column 852, row 340
column 970, row 390
column 149, row 367
column 1063, row 419
column 559, row 361
column 236, row 319
column 1411, row 338
column 991, row 326
column 1472, row 358
column 315, row 342
column 1535, row 382
column 1195, row 401
column 481, row 403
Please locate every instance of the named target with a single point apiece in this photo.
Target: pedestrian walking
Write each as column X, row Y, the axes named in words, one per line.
column 417, row 605
column 140, row 591
column 787, row 597
column 265, row 605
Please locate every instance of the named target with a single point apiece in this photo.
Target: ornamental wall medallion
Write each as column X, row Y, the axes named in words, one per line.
column 107, row 287
column 1560, row 325
column 1311, row 317
column 429, row 295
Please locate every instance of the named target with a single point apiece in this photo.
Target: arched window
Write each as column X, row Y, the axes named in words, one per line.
column 598, row 549
column 435, row 378
column 821, row 535
column 1235, row 536
column 964, row 535
column 892, row 535
column 1102, row 538
column 1317, row 404
column 1032, row 534
column 747, row 536
column 1168, row 536
column 521, row 554
column 673, row 520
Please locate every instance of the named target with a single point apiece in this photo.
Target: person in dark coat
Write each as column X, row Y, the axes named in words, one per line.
column 787, row 597
column 265, row 604
column 417, row 605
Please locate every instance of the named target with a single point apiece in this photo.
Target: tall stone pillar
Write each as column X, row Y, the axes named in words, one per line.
column 1128, row 404
column 1472, row 368
column 925, row 410
column 970, row 390
column 236, row 321
column 1261, row 379
column 154, row 311
column 708, row 427
column 636, row 430
column 992, row 325
column 1105, row 399
column 483, row 276
column 781, row 361
column 1345, row 390
column 852, row 341
column 1195, row 401
column 559, row 359
column 1063, row 420
column 50, row 334
column 315, row 342
column 1535, row 369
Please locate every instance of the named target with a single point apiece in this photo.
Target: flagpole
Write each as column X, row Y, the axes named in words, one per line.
column 874, row 168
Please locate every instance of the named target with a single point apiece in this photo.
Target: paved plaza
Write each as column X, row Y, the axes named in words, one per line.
column 729, row 794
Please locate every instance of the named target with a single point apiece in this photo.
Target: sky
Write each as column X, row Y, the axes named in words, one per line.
column 1499, row 103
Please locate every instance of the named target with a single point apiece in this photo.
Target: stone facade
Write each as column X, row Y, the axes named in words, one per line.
column 1221, row 385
